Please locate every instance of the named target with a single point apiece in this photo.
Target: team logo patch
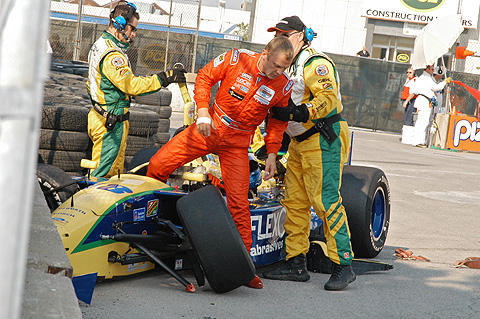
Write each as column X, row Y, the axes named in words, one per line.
column 321, row 70
column 118, row 61
column 264, row 95
column 235, row 56
column 139, row 214
column 219, row 60
column 287, row 87
column 246, row 76
column 152, row 207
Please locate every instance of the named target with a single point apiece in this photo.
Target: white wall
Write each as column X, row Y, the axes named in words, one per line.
column 338, row 24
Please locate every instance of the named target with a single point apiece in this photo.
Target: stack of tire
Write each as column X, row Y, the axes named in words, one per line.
column 159, row 103
column 64, row 140
column 143, row 127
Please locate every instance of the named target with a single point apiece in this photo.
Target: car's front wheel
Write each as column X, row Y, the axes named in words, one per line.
column 57, row 186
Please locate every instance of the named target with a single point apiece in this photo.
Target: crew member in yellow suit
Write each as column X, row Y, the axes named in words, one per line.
column 317, row 152
column 111, row 83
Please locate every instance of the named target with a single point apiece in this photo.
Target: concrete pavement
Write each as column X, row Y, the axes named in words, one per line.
column 435, row 213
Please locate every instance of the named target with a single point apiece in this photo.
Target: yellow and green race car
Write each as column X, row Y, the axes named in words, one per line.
column 130, row 223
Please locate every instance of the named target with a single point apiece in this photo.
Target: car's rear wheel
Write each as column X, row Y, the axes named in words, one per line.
column 366, row 198
column 215, row 239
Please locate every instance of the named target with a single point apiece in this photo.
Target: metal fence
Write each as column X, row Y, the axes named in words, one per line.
column 370, row 87
column 165, row 35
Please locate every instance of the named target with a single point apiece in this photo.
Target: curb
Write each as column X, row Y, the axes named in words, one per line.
column 48, row 290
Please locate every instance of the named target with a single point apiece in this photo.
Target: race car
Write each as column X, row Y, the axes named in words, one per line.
column 129, row 223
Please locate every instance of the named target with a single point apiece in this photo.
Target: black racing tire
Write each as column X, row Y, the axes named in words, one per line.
column 366, row 198
column 63, row 140
column 68, row 161
column 161, row 138
column 136, row 143
column 163, row 126
column 163, row 111
column 159, row 98
column 81, row 71
column 143, row 122
column 50, row 177
column 141, row 157
column 215, row 239
column 64, row 117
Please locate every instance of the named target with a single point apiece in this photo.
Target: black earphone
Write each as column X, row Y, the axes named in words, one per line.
column 308, row 34
column 120, row 22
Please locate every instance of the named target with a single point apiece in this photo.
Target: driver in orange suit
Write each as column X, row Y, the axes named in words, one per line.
column 251, row 83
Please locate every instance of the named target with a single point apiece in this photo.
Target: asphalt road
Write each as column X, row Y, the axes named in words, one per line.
column 435, row 213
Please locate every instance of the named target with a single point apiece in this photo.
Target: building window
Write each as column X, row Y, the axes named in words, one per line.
column 391, row 48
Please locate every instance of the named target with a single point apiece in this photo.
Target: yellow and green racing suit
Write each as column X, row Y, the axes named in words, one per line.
column 315, row 166
column 110, row 84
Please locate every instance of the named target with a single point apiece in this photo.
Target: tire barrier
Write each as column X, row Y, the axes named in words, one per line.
column 64, row 140
column 160, row 98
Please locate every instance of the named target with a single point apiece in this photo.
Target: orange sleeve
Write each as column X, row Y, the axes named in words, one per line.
column 276, row 128
column 210, row 74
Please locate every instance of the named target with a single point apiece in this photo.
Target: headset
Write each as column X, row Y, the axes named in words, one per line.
column 120, row 22
column 308, row 34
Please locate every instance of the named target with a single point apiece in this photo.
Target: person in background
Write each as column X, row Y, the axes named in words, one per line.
column 251, row 83
column 439, row 74
column 425, row 88
column 408, row 123
column 317, row 152
column 111, row 83
column 363, row 53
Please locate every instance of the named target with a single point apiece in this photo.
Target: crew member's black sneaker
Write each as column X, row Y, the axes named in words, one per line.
column 340, row 278
column 294, row 269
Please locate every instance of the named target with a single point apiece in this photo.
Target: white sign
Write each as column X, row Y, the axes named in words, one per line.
column 412, row 28
column 421, row 11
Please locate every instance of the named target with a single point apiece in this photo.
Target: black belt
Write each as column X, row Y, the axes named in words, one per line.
column 323, row 126
column 102, row 112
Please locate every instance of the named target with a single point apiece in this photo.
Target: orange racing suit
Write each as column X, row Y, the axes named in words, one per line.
column 241, row 104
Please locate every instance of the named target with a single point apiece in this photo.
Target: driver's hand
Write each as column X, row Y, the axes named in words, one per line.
column 204, row 122
column 270, row 166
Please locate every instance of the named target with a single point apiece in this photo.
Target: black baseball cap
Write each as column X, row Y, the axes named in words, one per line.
column 287, row 24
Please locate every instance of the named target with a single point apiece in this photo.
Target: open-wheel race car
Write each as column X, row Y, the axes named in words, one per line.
column 128, row 224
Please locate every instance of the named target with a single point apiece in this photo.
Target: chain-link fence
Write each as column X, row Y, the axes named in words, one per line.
column 370, row 88
column 166, row 34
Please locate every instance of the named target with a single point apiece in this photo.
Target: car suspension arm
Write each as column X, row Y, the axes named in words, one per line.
column 189, row 287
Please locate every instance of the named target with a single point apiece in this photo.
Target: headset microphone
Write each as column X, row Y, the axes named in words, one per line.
column 309, row 34
column 120, row 22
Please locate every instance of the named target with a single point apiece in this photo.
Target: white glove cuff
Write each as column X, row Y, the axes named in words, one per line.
column 204, row 120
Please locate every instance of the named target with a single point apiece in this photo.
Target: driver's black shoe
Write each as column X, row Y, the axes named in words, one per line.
column 294, row 269
column 342, row 275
